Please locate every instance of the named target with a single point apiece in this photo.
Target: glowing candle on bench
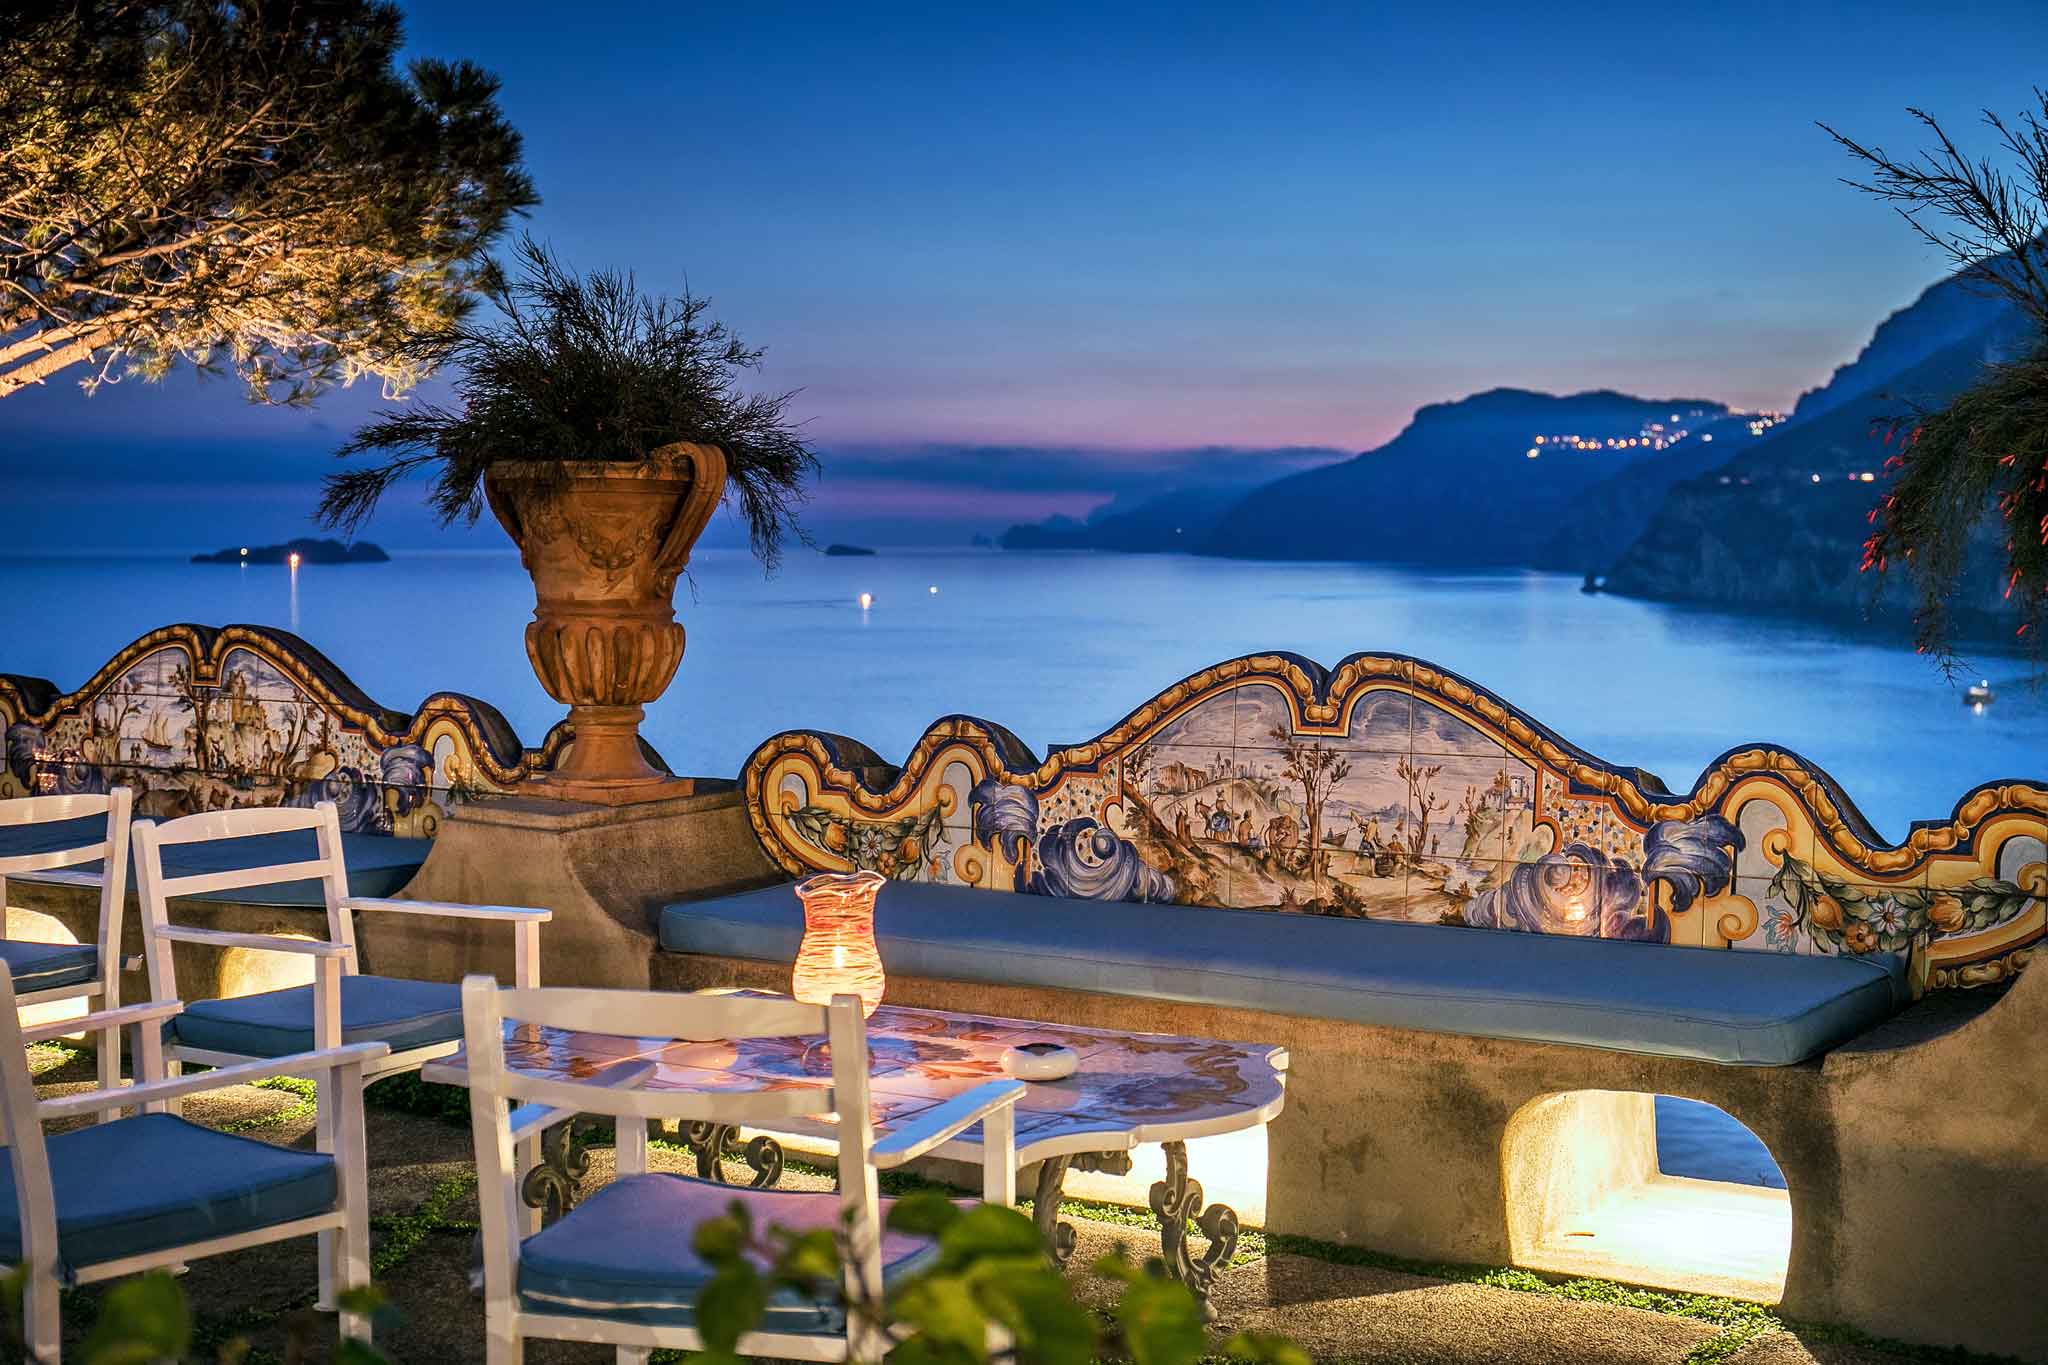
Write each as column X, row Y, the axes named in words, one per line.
column 838, row 955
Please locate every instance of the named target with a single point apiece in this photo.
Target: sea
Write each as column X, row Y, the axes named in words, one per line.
column 1059, row 646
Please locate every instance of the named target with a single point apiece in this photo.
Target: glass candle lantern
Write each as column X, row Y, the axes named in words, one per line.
column 838, row 955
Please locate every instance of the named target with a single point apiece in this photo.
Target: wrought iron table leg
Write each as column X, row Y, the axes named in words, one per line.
column 1177, row 1202
column 1045, row 1199
column 713, row 1142
column 551, row 1186
column 1045, row 1210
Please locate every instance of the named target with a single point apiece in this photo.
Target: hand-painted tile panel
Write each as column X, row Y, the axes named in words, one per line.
column 1388, row 788
column 195, row 719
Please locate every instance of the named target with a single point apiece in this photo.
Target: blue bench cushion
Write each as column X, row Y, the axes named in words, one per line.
column 153, row 1181
column 378, row 864
column 374, row 1009
column 1718, row 1005
column 46, row 966
column 628, row 1252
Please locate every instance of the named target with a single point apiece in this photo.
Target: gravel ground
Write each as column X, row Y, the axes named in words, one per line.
column 1338, row 1312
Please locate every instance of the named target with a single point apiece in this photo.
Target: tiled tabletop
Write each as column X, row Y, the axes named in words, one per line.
column 1130, row 1088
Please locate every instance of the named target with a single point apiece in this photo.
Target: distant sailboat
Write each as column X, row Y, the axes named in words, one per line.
column 157, row 734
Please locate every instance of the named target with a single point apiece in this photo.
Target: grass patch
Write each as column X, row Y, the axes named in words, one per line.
column 51, row 1055
column 400, row 1235
column 306, row 1106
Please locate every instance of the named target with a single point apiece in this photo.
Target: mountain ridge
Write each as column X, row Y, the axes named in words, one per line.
column 1730, row 514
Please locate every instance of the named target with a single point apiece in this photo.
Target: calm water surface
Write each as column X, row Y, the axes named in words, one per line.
column 1060, row 647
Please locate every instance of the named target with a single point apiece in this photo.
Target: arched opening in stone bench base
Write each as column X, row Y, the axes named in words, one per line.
column 1586, row 1196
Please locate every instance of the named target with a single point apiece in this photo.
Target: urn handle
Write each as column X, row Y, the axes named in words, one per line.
column 506, row 508
column 707, row 487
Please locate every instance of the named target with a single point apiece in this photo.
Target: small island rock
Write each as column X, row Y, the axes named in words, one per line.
column 309, row 552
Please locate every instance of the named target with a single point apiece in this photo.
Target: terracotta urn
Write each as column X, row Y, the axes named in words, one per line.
column 604, row 543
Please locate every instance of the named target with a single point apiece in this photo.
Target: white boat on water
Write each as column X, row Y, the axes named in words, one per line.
column 1979, row 693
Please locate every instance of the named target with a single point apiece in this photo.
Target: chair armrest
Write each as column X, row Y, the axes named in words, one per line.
column 296, row 1064
column 934, row 1126
column 529, row 1119
column 450, row 910
column 60, row 877
column 273, row 943
column 144, row 1013
column 525, row 922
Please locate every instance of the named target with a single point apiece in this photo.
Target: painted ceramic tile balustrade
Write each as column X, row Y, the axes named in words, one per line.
column 194, row 718
column 1389, row 789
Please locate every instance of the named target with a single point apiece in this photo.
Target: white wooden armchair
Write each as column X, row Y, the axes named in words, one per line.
column 621, row 1266
column 150, row 1189
column 420, row 1020
column 37, row 836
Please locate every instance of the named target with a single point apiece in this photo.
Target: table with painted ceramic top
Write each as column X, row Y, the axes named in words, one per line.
column 1128, row 1090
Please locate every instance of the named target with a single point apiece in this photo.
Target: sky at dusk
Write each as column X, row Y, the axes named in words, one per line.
column 1144, row 237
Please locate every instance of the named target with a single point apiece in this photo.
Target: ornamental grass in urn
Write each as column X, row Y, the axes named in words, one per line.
column 602, row 427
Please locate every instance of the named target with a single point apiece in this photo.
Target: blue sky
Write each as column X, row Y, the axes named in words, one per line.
column 1148, row 228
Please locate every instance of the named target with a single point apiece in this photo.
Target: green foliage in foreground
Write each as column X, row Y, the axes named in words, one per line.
column 990, row 1295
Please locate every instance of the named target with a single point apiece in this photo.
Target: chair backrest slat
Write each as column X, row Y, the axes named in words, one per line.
column 239, row 878
column 20, row 864
column 110, row 850
column 238, row 824
column 43, row 810
column 725, row 1106
column 155, row 889
column 664, row 1014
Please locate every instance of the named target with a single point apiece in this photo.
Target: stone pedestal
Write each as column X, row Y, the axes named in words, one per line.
column 604, row 870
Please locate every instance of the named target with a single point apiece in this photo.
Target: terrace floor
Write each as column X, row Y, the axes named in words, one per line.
column 1340, row 1306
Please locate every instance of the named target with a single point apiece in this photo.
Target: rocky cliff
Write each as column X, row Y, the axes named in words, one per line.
column 1781, row 526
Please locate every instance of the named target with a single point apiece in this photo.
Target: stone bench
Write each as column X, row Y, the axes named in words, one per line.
column 1486, row 951
column 1618, row 995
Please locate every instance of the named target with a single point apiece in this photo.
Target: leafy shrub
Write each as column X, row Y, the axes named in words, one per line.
column 990, row 1295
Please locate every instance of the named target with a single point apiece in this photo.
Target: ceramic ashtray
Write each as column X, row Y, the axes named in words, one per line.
column 1040, row 1061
